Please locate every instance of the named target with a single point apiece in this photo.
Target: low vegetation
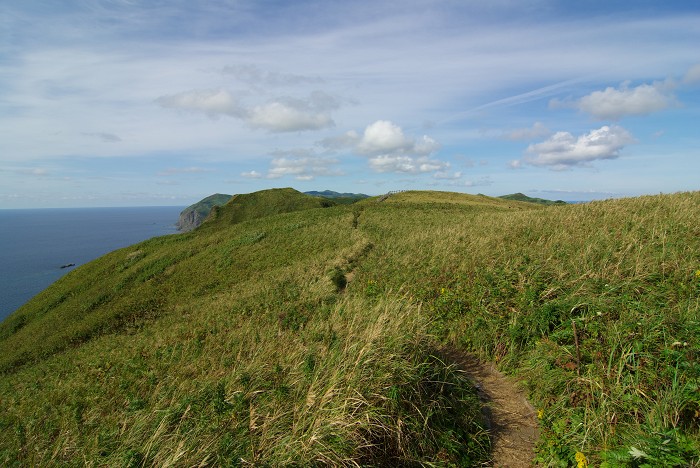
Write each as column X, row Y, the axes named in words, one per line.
column 319, row 337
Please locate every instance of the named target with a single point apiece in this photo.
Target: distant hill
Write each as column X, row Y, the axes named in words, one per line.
column 340, row 198
column 524, row 198
column 264, row 203
column 193, row 215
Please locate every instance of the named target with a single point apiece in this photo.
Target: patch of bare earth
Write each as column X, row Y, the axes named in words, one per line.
column 511, row 419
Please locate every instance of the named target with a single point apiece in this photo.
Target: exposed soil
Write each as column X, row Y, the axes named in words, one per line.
column 511, row 419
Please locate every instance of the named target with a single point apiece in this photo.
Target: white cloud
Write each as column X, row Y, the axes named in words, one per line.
column 301, row 164
column 281, row 117
column 106, row 137
column 303, row 168
column 406, row 164
column 183, row 170
column 253, row 75
column 36, row 171
column 538, row 130
column 283, row 114
column 482, row 181
column 383, row 137
column 347, row 140
column 692, row 75
column 614, row 103
column 252, row 175
column 562, row 150
column 389, row 149
column 445, row 175
column 211, row 102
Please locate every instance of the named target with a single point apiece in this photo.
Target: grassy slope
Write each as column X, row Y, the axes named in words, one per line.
column 204, row 206
column 245, row 207
column 234, row 343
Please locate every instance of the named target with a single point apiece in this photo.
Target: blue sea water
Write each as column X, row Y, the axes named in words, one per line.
column 34, row 244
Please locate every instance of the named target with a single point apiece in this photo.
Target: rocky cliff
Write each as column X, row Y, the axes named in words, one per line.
column 194, row 215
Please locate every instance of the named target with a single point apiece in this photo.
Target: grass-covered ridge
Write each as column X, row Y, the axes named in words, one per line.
column 249, row 206
column 244, row 341
column 525, row 198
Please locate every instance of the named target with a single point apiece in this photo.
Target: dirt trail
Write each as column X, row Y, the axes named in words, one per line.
column 511, row 418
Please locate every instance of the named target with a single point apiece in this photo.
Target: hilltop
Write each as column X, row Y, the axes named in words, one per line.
column 246, row 207
column 195, row 214
column 524, row 198
column 341, row 198
column 290, row 330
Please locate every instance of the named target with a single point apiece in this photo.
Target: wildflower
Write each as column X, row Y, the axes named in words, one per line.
column 442, row 290
column 581, row 460
column 540, row 413
column 697, row 274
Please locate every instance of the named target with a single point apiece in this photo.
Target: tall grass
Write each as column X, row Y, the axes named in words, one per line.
column 311, row 338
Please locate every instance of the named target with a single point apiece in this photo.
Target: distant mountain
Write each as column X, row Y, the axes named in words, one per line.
column 524, row 198
column 195, row 214
column 340, row 198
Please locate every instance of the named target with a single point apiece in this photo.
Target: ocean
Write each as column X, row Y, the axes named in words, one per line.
column 34, row 244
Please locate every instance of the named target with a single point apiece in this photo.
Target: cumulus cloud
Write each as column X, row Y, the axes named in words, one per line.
column 282, row 114
column 615, row 103
column 538, row 130
column 562, row 150
column 383, row 137
column 389, row 149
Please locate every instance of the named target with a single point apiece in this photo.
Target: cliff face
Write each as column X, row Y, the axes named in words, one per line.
column 194, row 215
column 189, row 220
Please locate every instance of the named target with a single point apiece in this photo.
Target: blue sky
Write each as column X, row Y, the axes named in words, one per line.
column 128, row 102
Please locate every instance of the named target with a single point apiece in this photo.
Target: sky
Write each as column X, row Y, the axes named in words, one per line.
column 148, row 103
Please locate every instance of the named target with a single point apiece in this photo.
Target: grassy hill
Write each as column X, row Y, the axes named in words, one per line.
column 249, row 206
column 525, row 198
column 339, row 198
column 285, row 335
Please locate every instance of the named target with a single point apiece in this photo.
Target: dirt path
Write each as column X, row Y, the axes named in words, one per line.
column 511, row 418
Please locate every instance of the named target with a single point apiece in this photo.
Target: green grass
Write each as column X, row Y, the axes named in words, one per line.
column 277, row 336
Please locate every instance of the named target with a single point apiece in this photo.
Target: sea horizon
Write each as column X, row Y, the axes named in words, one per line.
column 40, row 245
